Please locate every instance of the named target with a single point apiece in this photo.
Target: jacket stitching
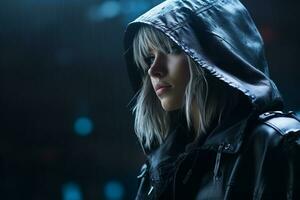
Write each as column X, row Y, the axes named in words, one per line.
column 181, row 24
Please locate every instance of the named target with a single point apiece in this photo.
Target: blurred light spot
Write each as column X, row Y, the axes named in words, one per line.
column 132, row 9
column 108, row 9
column 83, row 126
column 112, row 8
column 135, row 7
column 114, row 190
column 71, row 191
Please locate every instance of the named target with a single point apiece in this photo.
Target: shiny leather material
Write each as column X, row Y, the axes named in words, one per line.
column 250, row 156
column 220, row 36
column 266, row 166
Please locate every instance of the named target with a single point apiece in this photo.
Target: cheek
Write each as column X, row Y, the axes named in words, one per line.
column 186, row 72
column 183, row 72
column 152, row 82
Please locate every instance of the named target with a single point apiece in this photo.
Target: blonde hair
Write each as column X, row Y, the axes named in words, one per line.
column 152, row 123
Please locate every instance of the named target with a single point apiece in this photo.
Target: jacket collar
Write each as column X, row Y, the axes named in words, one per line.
column 226, row 137
column 228, row 133
column 229, row 138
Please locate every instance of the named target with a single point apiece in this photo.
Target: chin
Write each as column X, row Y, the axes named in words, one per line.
column 169, row 107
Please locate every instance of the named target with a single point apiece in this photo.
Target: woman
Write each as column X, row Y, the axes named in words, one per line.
column 207, row 115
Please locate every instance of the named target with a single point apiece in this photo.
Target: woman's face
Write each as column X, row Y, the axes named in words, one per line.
column 169, row 74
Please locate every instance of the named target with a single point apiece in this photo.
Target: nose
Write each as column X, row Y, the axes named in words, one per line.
column 158, row 67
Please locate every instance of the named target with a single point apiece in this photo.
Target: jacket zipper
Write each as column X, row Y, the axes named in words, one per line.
column 217, row 163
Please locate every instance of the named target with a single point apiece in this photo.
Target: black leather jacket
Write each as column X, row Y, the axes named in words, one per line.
column 265, row 166
column 249, row 156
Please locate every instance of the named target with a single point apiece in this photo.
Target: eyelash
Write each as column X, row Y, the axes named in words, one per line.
column 174, row 50
column 148, row 60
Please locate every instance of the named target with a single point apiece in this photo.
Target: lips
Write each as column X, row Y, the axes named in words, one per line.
column 160, row 86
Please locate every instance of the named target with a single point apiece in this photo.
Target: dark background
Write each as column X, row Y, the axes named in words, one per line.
column 66, row 133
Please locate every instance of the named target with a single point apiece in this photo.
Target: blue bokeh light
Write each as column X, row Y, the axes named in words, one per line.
column 114, row 190
column 132, row 9
column 128, row 9
column 107, row 10
column 71, row 191
column 83, row 126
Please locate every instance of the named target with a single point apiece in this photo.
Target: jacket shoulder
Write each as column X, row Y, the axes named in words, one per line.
column 283, row 123
column 277, row 129
column 276, row 148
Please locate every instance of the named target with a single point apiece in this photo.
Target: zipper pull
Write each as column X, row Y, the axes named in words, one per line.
column 143, row 171
column 217, row 163
column 150, row 190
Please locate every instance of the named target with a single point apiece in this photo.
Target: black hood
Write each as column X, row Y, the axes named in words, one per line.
column 221, row 37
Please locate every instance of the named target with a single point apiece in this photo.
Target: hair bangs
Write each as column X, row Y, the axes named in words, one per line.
column 146, row 40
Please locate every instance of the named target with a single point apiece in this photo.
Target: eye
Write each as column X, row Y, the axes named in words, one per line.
column 175, row 49
column 149, row 60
